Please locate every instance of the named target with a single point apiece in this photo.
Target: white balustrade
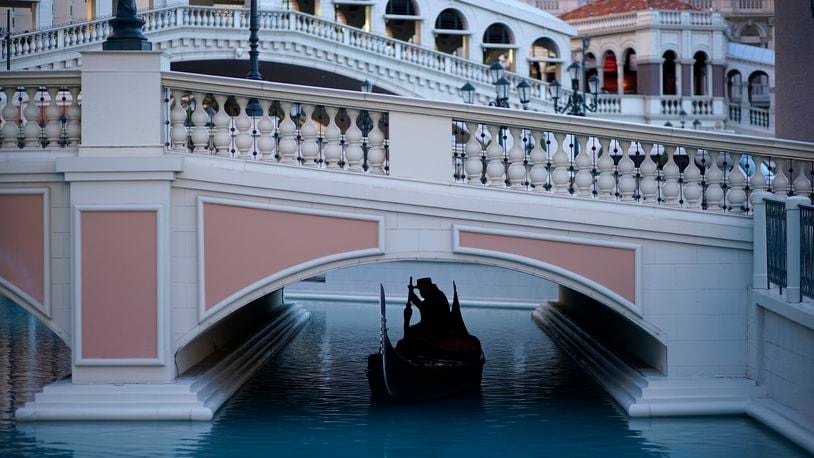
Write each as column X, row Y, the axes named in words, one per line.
column 40, row 111
column 283, row 131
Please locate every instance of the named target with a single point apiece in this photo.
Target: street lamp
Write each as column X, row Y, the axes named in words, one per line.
column 467, row 92
column 496, row 72
column 127, row 34
column 682, row 117
column 524, row 92
column 502, row 93
column 577, row 103
column 253, row 107
column 696, row 124
column 367, row 86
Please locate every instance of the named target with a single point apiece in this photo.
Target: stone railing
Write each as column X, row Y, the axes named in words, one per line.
column 82, row 35
column 606, row 23
column 638, row 164
column 40, row 110
column 750, row 118
column 308, row 128
column 501, row 149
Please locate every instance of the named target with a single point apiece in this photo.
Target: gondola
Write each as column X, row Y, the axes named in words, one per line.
column 422, row 371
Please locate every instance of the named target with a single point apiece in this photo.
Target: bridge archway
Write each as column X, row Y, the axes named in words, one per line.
column 234, row 271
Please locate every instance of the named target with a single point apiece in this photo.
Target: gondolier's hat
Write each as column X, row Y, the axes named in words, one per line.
column 426, row 281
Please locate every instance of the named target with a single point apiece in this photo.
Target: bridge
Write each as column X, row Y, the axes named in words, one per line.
column 151, row 225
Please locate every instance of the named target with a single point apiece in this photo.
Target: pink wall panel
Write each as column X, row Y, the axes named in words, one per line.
column 244, row 245
column 614, row 268
column 21, row 242
column 119, row 284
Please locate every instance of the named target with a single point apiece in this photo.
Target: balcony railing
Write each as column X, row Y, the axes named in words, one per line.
column 776, row 242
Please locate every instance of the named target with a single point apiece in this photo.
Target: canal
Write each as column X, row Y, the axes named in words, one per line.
column 313, row 400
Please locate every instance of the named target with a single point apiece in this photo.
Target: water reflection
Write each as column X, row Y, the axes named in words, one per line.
column 313, row 400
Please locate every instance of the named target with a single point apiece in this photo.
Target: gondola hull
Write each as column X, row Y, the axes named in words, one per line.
column 423, row 374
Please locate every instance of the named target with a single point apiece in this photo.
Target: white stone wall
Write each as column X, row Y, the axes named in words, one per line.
column 788, row 363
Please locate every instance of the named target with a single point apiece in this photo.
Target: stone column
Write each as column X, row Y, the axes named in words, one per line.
column 760, row 278
column 620, row 78
column 685, row 70
column 718, row 80
column 649, row 78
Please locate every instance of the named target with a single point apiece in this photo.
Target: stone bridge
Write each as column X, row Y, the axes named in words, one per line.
column 148, row 226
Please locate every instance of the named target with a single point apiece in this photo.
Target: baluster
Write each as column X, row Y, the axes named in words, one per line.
column 221, row 137
column 354, row 154
column 539, row 170
column 375, row 140
column 11, row 128
column 780, row 183
column 53, row 128
column 74, row 127
column 713, row 177
column 309, row 149
column 583, row 180
column 516, row 172
column 333, row 134
column 288, row 136
column 606, row 182
column 495, row 169
column 265, row 143
column 670, row 189
column 243, row 124
column 474, row 155
column 31, row 128
column 178, row 115
column 801, row 184
column 693, row 192
column 627, row 171
column 758, row 181
column 736, row 179
column 199, row 119
column 561, row 175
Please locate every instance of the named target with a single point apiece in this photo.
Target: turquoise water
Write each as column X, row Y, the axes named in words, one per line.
column 313, row 400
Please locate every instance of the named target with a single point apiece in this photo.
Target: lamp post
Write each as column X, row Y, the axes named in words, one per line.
column 577, row 103
column 682, row 117
column 127, row 34
column 253, row 107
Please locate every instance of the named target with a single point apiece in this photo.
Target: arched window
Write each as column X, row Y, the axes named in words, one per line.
column 610, row 73
column 451, row 35
column 450, row 19
column 630, row 78
column 498, row 46
column 544, row 60
column 759, row 90
column 401, row 8
column 402, row 21
column 699, row 74
column 303, row 6
column 734, row 86
column 750, row 34
column 669, row 83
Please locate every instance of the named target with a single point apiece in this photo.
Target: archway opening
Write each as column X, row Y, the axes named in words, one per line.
column 402, row 21
column 759, row 96
column 734, row 87
column 352, row 15
column 669, row 81
column 544, row 60
column 451, row 33
column 498, row 46
column 700, row 74
column 610, row 73
column 630, row 80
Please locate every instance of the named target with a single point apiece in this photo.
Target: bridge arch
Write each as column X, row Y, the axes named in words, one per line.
column 234, row 272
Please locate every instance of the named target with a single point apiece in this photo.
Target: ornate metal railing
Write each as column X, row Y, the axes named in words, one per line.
column 807, row 250
column 776, row 242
